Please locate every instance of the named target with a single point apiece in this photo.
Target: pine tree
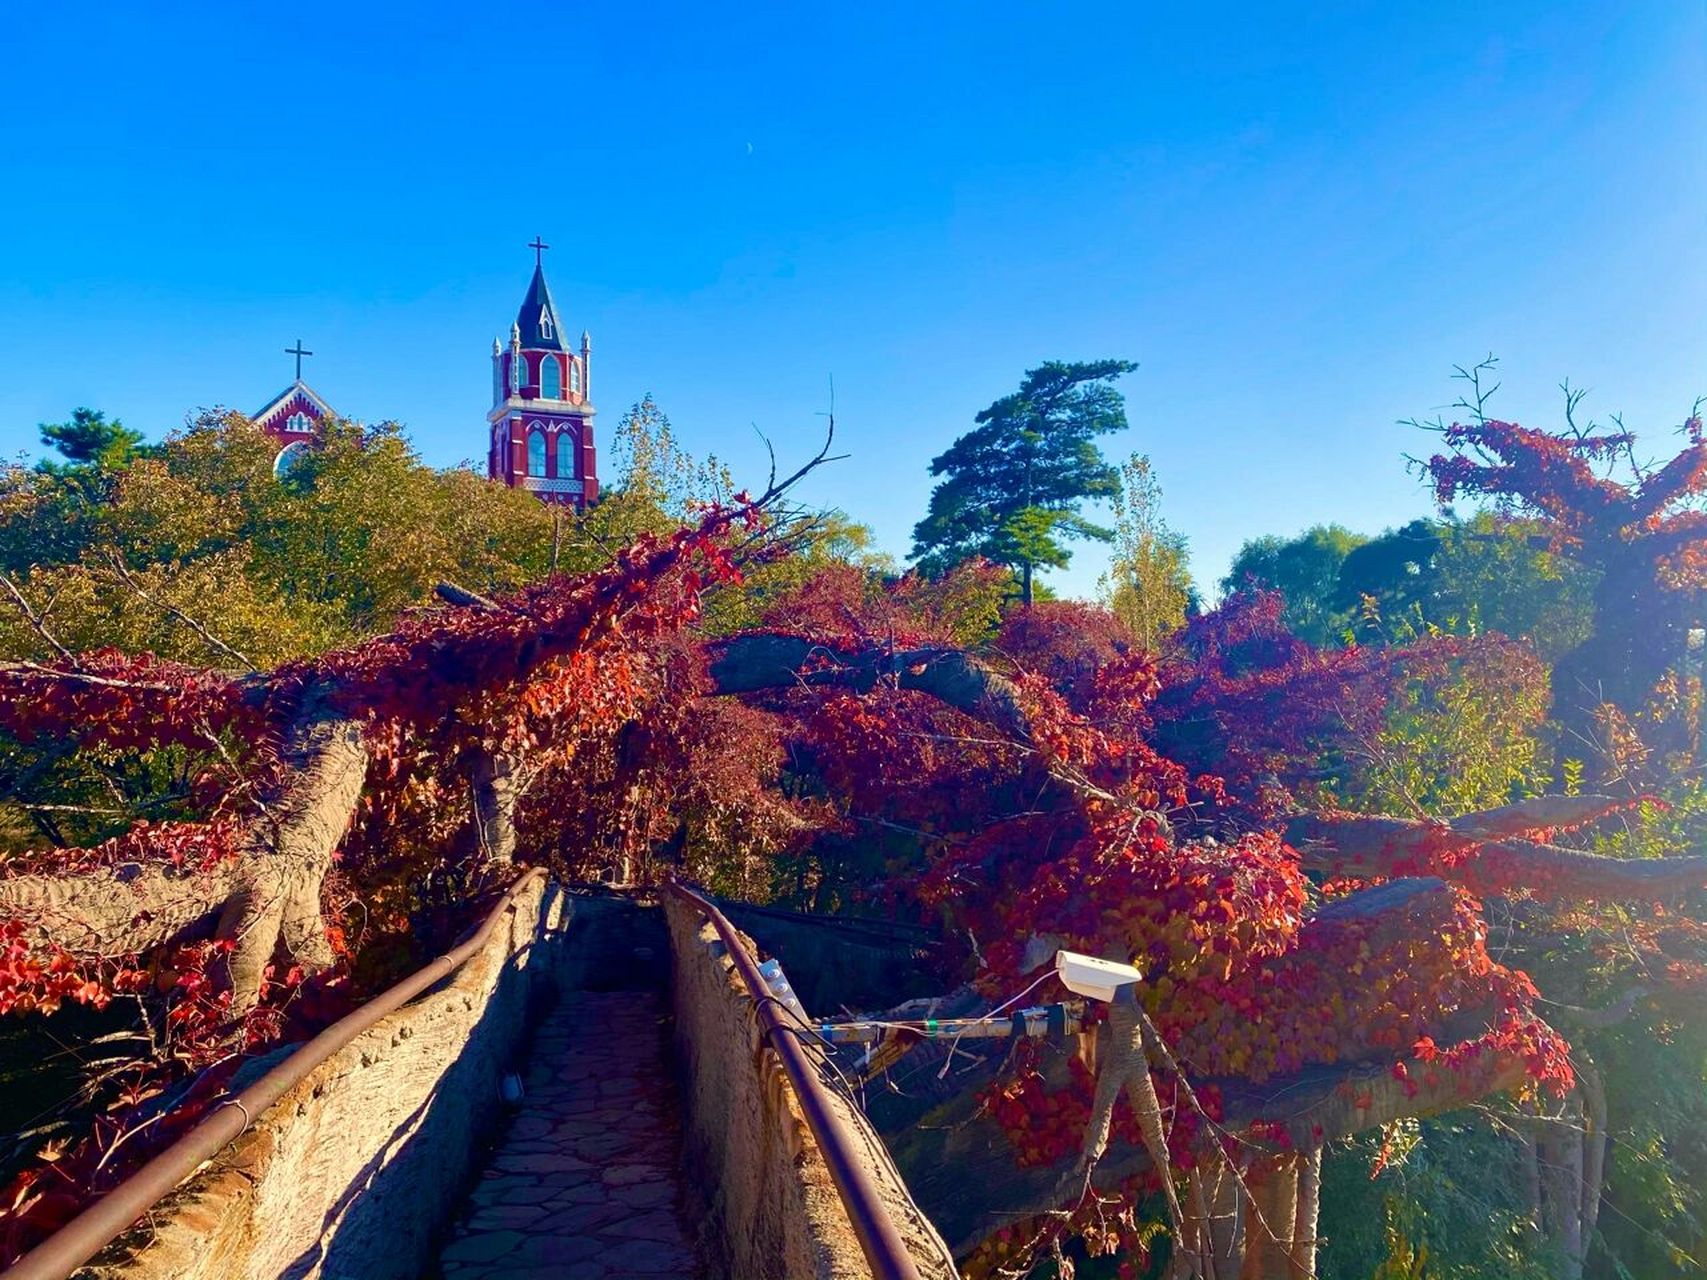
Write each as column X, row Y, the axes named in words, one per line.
column 1014, row 485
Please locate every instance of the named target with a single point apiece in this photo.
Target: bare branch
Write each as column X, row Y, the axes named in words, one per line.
column 82, row 677
column 450, row 593
column 38, row 624
column 124, row 575
column 1348, row 844
column 1594, row 1019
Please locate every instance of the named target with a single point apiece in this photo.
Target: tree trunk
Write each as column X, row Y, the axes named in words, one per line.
column 1530, row 1155
column 1209, row 1241
column 268, row 894
column 1569, row 1153
column 1025, row 583
column 1271, row 1221
column 115, row 911
column 493, row 793
column 1348, row 844
column 1560, row 1154
column 1594, row 1142
column 749, row 663
column 1309, row 1210
column 288, row 852
column 1196, row 1241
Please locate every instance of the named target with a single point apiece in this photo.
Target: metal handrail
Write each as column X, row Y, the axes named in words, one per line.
column 885, row 1251
column 114, row 1213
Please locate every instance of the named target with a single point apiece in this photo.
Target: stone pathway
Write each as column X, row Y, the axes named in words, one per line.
column 584, row 1184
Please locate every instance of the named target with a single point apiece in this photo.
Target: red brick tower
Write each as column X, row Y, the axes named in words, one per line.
column 541, row 422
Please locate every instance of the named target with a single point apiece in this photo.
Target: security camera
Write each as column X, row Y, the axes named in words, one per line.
column 1092, row 978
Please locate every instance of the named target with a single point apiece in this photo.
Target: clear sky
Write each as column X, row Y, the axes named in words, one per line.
column 1296, row 222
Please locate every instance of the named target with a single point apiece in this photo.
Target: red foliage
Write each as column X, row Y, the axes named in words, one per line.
column 551, row 668
column 1564, row 477
column 110, row 699
column 1643, row 534
column 1069, row 644
column 1104, row 826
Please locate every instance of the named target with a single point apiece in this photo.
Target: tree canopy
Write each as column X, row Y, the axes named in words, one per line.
column 195, row 537
column 1304, row 570
column 1635, row 527
column 1148, row 585
column 1013, row 488
column 89, row 440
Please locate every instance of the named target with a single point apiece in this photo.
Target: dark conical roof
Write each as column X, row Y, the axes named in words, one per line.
column 540, row 325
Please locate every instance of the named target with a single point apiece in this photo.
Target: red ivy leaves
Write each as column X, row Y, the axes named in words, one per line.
column 111, row 699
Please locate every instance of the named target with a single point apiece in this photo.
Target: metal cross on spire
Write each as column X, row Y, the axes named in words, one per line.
column 539, row 247
column 298, row 352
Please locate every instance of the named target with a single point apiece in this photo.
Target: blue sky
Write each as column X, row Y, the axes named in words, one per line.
column 1296, row 223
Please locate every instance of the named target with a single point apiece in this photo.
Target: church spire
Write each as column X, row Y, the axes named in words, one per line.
column 538, row 322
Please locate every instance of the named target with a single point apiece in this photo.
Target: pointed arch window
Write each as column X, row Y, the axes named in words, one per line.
column 565, row 454
column 550, row 378
column 536, row 452
column 518, row 371
column 290, row 457
column 545, row 327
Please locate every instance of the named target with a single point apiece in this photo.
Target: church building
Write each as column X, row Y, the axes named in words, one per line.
column 293, row 416
column 541, row 419
column 540, row 426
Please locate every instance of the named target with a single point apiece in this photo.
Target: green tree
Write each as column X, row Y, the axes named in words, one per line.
column 1465, row 577
column 1147, row 586
column 1496, row 572
column 655, row 485
column 194, row 550
column 89, row 440
column 1391, row 579
column 1305, row 570
column 51, row 507
column 89, row 444
column 1435, row 1199
column 1013, row 486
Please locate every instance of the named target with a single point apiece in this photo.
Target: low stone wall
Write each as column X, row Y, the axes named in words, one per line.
column 351, row 1175
column 768, row 1208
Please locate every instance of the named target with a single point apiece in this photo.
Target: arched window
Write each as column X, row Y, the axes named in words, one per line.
column 546, row 329
column 497, row 380
column 536, row 453
column 290, row 457
column 550, row 378
column 299, row 422
column 518, row 371
column 574, row 375
column 566, row 454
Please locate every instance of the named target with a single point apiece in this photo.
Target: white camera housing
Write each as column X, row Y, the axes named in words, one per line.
column 1092, row 978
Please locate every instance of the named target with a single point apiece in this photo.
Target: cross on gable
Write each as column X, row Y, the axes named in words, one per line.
column 298, row 352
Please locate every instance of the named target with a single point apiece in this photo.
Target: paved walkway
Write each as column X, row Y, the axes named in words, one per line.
column 584, row 1184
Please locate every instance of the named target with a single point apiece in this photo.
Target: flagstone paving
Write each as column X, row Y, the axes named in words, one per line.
column 584, row 1184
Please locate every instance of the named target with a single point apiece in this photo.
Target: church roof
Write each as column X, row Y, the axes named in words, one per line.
column 541, row 327
column 299, row 387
